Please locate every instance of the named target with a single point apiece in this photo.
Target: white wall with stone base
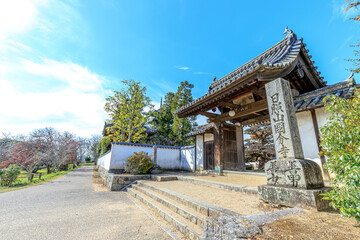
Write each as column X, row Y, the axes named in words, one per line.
column 168, row 157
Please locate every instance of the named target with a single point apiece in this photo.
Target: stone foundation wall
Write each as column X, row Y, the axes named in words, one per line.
column 115, row 182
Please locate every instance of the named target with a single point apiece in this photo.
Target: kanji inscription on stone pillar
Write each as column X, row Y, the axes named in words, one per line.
column 283, row 120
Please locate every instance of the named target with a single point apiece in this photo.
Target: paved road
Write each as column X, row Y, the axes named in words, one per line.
column 68, row 208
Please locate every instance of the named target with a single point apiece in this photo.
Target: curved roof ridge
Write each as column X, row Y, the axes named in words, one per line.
column 288, row 41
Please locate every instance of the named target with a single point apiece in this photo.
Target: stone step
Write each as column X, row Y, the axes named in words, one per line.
column 163, row 178
column 232, row 187
column 185, row 227
column 177, row 208
column 201, row 207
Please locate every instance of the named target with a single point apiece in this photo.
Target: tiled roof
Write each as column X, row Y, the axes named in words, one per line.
column 144, row 145
column 200, row 129
column 280, row 56
column 304, row 101
column 314, row 99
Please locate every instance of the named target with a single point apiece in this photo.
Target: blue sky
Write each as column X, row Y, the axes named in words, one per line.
column 60, row 59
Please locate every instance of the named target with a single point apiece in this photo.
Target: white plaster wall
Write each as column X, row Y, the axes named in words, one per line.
column 187, row 159
column 209, row 137
column 121, row 152
column 104, row 161
column 307, row 135
column 307, row 132
column 168, row 158
column 199, row 152
column 321, row 116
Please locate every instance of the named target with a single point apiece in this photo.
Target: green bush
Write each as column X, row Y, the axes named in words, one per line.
column 9, row 175
column 139, row 163
column 340, row 140
column 87, row 159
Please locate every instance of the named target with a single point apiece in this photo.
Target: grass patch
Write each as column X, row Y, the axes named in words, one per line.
column 23, row 182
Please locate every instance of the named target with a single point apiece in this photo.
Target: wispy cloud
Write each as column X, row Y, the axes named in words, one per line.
column 202, row 73
column 182, row 68
column 334, row 59
column 339, row 10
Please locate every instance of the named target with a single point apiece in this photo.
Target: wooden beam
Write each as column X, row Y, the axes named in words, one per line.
column 210, row 115
column 317, row 135
column 229, row 105
column 261, row 92
column 248, row 109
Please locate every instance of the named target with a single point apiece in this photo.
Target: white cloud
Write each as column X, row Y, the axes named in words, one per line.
column 182, row 68
column 18, row 16
column 76, row 106
column 73, row 74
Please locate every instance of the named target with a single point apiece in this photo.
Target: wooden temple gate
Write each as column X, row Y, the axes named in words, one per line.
column 240, row 98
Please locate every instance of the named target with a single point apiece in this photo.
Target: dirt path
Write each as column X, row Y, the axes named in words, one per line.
column 69, row 208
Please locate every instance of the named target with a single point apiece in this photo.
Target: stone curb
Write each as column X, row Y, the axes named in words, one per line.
column 204, row 208
column 236, row 188
column 181, row 227
column 176, row 209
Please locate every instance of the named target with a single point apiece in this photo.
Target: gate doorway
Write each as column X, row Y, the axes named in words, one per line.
column 209, row 156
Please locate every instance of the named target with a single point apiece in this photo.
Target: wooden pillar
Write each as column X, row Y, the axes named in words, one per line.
column 317, row 135
column 218, row 148
column 240, row 149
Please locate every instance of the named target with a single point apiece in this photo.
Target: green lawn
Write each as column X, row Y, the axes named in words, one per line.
column 23, row 182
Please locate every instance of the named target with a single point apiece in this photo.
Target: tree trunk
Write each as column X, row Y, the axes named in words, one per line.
column 10, row 181
column 261, row 163
column 48, row 169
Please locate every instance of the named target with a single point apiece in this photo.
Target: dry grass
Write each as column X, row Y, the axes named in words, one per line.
column 313, row 226
column 236, row 179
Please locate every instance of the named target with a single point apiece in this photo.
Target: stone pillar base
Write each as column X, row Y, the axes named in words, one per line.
column 294, row 197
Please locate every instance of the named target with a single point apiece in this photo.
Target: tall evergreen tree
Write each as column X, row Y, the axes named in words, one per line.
column 163, row 120
column 127, row 111
column 182, row 126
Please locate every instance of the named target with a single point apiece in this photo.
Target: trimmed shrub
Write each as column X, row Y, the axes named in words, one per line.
column 9, row 175
column 340, row 139
column 139, row 163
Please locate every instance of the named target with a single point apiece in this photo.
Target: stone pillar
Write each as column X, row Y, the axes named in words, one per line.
column 240, row 147
column 291, row 179
column 155, row 155
column 283, row 120
column 218, row 148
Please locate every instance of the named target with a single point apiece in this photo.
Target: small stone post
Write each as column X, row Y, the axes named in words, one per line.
column 291, row 179
column 155, row 155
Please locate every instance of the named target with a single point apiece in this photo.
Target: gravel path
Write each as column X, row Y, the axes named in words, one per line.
column 68, row 208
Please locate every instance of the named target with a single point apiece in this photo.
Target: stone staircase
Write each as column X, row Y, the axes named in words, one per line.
column 189, row 217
